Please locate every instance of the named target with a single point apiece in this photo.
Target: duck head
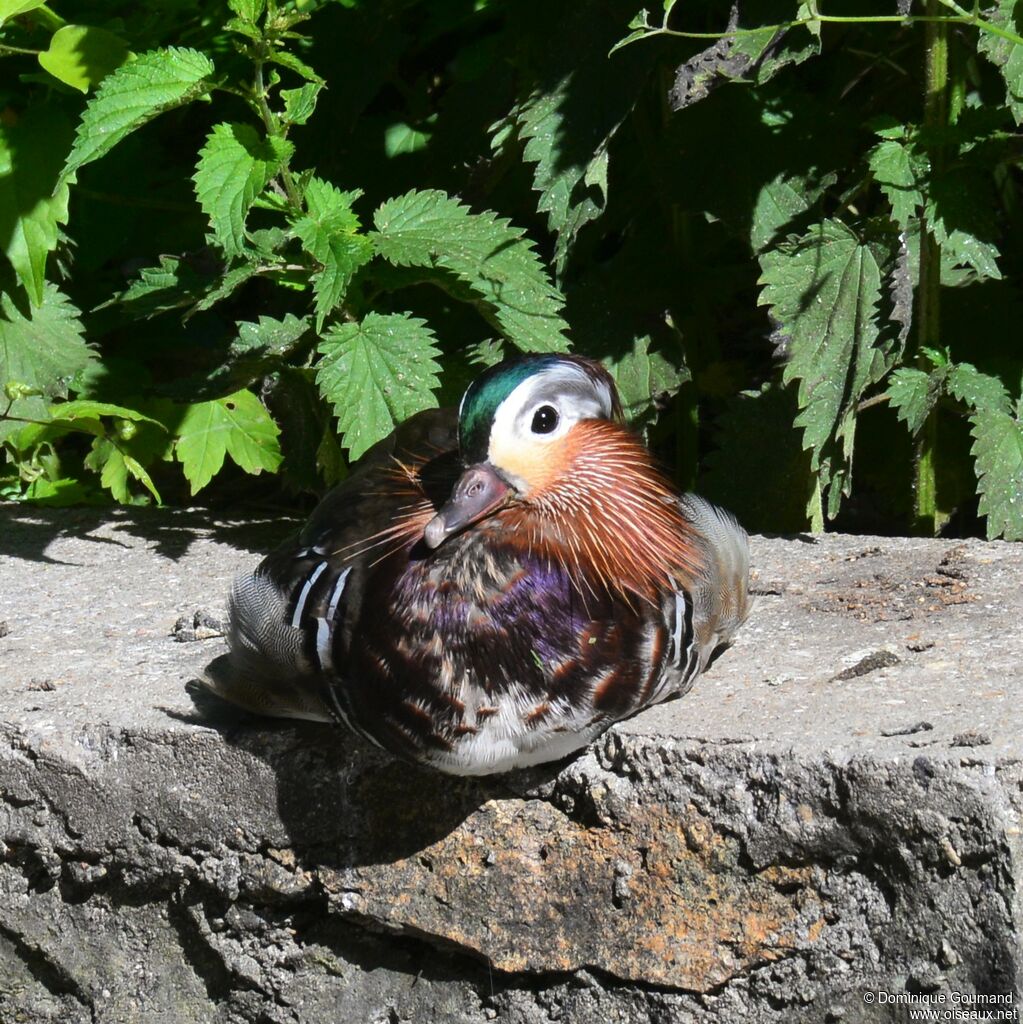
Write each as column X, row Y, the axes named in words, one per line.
column 544, row 448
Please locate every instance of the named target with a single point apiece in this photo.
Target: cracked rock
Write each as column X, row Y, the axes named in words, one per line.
column 755, row 852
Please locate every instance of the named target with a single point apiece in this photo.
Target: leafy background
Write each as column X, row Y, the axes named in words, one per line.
column 244, row 239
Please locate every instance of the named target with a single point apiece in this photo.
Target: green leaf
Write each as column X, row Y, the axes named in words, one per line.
column 258, row 351
column 782, row 200
column 430, row 229
column 43, row 352
column 250, row 10
column 570, row 158
column 959, row 212
column 115, row 466
column 32, row 202
column 133, row 95
column 234, row 167
column 82, row 55
column 824, row 290
column 376, row 374
column 300, row 103
column 225, row 287
column 913, row 394
column 1005, row 54
column 980, row 391
column 292, row 63
column 12, row 8
column 645, row 378
column 86, row 408
column 898, row 171
column 237, row 425
column 998, row 451
column 330, row 234
column 401, row 139
column 171, row 285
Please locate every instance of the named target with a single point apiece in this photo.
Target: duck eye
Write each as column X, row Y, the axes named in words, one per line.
column 545, row 419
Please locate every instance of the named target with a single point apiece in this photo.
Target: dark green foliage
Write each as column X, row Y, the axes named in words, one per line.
column 252, row 236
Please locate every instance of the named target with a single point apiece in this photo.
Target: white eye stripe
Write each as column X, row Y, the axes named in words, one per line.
column 566, row 387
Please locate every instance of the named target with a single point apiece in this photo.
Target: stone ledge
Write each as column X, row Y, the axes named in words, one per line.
column 835, row 808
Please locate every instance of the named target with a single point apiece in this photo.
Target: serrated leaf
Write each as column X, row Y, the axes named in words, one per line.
column 1006, row 54
column 824, row 290
column 227, row 286
column 980, row 391
column 897, row 170
column 43, row 352
column 250, row 10
column 83, row 55
column 565, row 160
column 913, row 394
column 86, row 408
column 780, row 201
column 998, row 454
column 234, row 166
column 237, row 425
column 329, row 232
column 376, row 374
column 959, row 212
column 32, row 202
column 300, row 103
column 171, row 285
column 133, row 95
column 645, row 378
column 293, row 63
column 115, row 466
column 495, row 260
column 259, row 350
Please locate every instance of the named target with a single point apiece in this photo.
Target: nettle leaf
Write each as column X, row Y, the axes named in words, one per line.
column 645, row 379
column 495, row 260
column 293, row 63
column 914, row 393
column 250, row 10
column 1005, row 54
column 225, row 287
column 172, row 284
column 300, row 103
column 116, row 465
column 330, row 234
column 824, row 290
column 960, row 214
column 133, row 95
column 83, row 55
column 898, row 171
column 258, row 351
column 32, row 202
column 234, row 166
column 237, row 425
column 998, row 451
column 979, row 391
column 42, row 352
column 376, row 374
column 780, row 201
column 567, row 142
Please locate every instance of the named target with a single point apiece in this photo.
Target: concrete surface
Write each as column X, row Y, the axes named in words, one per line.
column 826, row 829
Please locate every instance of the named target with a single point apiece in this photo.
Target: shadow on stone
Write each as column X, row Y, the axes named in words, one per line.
column 346, row 804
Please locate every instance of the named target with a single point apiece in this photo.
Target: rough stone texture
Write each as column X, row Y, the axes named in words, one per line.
column 834, row 810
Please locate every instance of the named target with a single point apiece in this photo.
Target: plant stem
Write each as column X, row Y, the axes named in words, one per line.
column 927, row 518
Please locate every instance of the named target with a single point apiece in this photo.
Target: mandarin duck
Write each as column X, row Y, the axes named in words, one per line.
column 492, row 589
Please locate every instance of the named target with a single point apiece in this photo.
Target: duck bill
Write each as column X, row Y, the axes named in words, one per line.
column 479, row 492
